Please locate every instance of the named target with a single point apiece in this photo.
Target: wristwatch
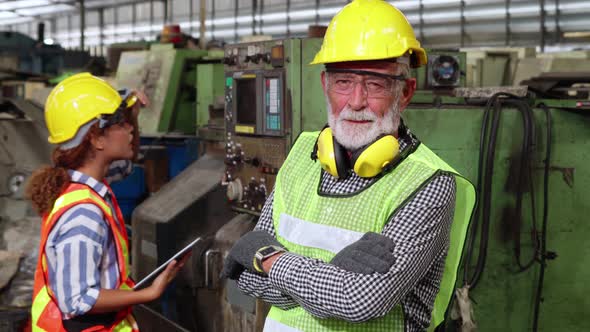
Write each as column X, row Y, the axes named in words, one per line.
column 264, row 253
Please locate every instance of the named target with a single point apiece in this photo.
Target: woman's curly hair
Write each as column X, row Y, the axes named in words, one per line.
column 48, row 182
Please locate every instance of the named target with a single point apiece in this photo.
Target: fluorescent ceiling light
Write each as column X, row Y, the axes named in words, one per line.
column 485, row 13
column 577, row 34
column 328, row 11
column 15, row 20
column 4, row 15
column 45, row 10
column 441, row 16
column 221, row 21
column 9, row 5
column 402, row 5
column 302, row 13
column 439, row 2
column 574, row 6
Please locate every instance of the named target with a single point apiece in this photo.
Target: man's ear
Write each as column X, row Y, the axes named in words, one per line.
column 323, row 76
column 408, row 92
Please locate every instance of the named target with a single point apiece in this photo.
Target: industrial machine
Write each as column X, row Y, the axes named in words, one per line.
column 181, row 85
column 271, row 95
column 185, row 88
column 23, row 148
column 446, row 70
column 22, row 56
column 530, row 226
column 533, row 146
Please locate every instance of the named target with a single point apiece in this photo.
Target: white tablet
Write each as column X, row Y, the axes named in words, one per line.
column 161, row 268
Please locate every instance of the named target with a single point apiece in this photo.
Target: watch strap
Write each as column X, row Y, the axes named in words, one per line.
column 260, row 256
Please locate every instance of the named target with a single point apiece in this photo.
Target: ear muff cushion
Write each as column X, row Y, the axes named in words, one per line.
column 325, row 152
column 371, row 160
column 331, row 155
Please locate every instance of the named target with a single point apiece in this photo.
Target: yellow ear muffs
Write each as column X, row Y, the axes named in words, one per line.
column 332, row 156
column 373, row 159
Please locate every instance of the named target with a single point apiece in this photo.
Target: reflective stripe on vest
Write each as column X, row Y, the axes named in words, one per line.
column 271, row 325
column 297, row 202
column 309, row 234
column 45, row 313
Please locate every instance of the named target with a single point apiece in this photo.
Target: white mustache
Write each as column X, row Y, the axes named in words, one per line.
column 364, row 115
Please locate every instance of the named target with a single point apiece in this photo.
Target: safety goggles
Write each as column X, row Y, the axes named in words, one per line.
column 108, row 120
column 118, row 117
column 377, row 85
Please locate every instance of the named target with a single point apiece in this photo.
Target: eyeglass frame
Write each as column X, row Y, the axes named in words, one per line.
column 402, row 78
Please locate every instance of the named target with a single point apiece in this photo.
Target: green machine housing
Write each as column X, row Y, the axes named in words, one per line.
column 447, row 116
column 185, row 87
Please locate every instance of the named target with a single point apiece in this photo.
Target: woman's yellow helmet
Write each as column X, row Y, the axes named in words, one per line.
column 77, row 100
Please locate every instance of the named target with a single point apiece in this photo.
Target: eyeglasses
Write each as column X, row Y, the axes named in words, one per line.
column 377, row 85
column 118, row 117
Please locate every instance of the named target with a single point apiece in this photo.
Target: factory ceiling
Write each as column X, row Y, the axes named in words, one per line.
column 21, row 11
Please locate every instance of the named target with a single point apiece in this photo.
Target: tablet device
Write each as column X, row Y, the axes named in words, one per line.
column 161, row 268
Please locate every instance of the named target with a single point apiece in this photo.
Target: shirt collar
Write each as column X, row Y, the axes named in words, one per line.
column 79, row 177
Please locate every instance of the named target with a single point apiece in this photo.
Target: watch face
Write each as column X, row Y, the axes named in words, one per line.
column 267, row 251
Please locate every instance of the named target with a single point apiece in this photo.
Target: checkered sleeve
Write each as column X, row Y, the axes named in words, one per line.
column 257, row 285
column 420, row 231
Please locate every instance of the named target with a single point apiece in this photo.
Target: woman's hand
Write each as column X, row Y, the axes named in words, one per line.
column 161, row 282
column 112, row 300
column 142, row 101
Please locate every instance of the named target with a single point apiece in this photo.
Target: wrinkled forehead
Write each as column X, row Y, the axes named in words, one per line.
column 381, row 66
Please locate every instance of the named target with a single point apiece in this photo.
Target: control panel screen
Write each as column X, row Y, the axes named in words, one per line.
column 246, row 101
column 272, row 104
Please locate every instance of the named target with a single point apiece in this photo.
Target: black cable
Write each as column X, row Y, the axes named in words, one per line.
column 543, row 254
column 484, row 189
column 487, row 194
column 527, row 148
column 475, row 221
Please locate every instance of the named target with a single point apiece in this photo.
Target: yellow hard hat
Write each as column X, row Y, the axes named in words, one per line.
column 369, row 30
column 77, row 100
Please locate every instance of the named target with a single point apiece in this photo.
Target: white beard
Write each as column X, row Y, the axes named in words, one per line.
column 354, row 136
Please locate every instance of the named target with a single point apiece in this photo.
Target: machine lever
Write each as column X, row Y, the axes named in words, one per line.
column 208, row 254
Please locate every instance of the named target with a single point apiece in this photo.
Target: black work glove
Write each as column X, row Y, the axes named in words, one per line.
column 371, row 253
column 241, row 255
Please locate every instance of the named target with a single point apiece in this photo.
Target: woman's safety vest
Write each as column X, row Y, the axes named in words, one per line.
column 46, row 315
column 319, row 225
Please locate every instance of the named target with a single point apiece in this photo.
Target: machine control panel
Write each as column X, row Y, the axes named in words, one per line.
column 256, row 55
column 255, row 103
column 251, row 167
column 256, row 121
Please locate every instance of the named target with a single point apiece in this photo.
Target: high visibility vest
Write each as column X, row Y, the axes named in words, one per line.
column 318, row 225
column 45, row 312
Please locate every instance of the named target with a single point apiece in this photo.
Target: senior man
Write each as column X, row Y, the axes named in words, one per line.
column 366, row 235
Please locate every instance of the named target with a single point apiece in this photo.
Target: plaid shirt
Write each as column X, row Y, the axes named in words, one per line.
column 420, row 231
